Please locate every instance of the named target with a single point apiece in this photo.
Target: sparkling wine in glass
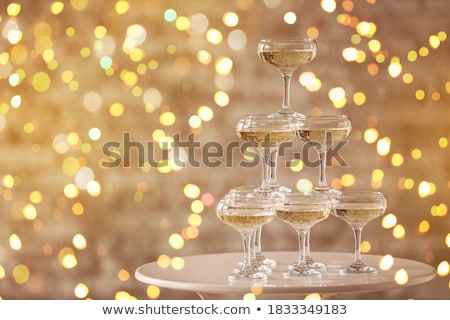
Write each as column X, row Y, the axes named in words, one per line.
column 266, row 134
column 287, row 55
column 245, row 211
column 258, row 260
column 302, row 211
column 323, row 132
column 357, row 208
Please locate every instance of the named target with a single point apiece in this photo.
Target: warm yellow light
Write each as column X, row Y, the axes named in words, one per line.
column 167, row 118
column 401, row 277
column 79, row 241
column 386, row 262
column 426, row 189
column 416, row 154
column 359, row 98
column 163, row 261
column 328, row 5
column 214, row 36
column 424, row 226
column 443, row 269
column 384, row 146
column 122, row 7
column 14, row 242
column 304, row 185
column 420, row 94
column 398, row 232
column 176, row 241
column 93, row 188
column 389, row 221
column 81, row 291
column 408, row 78
column 177, row 263
column 221, row 98
column 395, row 68
column 197, row 206
column 123, row 275
column 205, row 113
column 366, row 29
column 348, row 180
column 313, row 296
column 67, row 258
column 434, row 41
column 182, row 23
column 224, row 65
column 397, row 160
column 153, row 292
column 374, row 46
column 296, row 165
column 230, row 19
column 29, row 212
column 21, row 274
column 249, row 296
column 350, row 54
column 439, row 210
column 13, row 9
column 443, row 142
column 195, row 219
column 191, row 191
column 371, row 135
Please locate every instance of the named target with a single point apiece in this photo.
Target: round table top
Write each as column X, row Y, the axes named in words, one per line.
column 208, row 274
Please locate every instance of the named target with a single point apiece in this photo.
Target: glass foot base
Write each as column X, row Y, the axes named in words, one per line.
column 263, row 261
column 258, row 276
column 311, row 264
column 325, row 190
column 301, row 272
column 358, row 268
column 315, row 264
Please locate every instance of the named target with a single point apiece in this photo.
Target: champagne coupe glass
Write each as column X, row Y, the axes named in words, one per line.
column 324, row 131
column 287, row 55
column 246, row 211
column 259, row 261
column 357, row 208
column 302, row 211
column 267, row 133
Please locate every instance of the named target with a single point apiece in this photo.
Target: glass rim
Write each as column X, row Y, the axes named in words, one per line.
column 353, row 193
column 327, row 116
column 288, row 40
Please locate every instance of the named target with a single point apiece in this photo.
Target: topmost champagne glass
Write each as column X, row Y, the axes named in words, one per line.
column 287, row 55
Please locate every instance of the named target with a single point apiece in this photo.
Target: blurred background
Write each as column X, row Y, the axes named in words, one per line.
column 95, row 94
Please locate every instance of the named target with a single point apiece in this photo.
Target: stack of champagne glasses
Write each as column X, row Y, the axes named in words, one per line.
column 249, row 208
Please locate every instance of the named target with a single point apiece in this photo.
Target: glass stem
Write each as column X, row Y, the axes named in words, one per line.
column 266, row 159
column 286, row 106
column 273, row 168
column 307, row 248
column 246, row 240
column 301, row 247
column 258, row 248
column 323, row 185
column 357, row 258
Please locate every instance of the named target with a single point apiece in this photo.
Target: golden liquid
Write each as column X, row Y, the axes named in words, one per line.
column 287, row 60
column 266, row 136
column 357, row 214
column 245, row 222
column 324, row 136
column 303, row 218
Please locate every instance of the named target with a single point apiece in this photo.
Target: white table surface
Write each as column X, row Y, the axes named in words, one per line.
column 207, row 274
